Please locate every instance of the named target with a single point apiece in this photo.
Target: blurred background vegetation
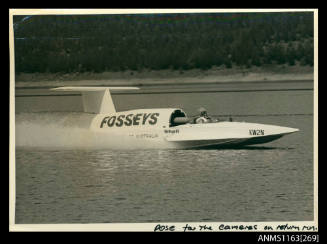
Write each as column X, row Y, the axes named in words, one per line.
column 99, row 43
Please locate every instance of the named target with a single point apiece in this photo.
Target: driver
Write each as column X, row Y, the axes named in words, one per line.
column 203, row 118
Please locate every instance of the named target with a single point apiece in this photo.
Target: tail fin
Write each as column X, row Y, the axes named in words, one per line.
column 96, row 99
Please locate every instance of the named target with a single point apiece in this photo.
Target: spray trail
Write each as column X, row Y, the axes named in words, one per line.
column 71, row 130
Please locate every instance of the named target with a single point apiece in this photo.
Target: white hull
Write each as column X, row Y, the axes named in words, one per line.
column 210, row 135
column 226, row 134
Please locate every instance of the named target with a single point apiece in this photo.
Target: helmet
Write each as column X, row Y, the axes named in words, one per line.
column 202, row 111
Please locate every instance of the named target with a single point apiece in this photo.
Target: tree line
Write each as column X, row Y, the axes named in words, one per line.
column 98, row 43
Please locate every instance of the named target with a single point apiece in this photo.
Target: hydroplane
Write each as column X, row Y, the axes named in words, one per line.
column 170, row 125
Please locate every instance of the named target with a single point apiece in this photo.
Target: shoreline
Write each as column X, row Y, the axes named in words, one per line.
column 218, row 75
column 52, row 85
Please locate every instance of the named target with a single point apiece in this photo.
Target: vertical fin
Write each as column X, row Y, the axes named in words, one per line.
column 99, row 102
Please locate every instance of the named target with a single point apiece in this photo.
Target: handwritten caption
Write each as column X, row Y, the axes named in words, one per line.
column 232, row 227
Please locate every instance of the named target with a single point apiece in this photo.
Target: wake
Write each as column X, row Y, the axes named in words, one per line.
column 61, row 130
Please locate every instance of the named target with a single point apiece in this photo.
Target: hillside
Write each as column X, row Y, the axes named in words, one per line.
column 80, row 44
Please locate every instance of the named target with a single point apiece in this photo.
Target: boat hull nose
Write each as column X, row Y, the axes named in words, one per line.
column 275, row 132
column 288, row 130
column 228, row 134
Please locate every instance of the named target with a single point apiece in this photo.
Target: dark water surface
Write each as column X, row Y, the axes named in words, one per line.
column 268, row 182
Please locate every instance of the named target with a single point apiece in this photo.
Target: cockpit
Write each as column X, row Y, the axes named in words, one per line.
column 179, row 117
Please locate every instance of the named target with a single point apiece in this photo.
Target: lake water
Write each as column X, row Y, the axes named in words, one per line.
column 56, row 183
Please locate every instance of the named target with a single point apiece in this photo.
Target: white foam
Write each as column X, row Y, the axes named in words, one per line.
column 71, row 130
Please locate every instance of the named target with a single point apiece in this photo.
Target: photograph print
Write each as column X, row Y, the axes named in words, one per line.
column 163, row 117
